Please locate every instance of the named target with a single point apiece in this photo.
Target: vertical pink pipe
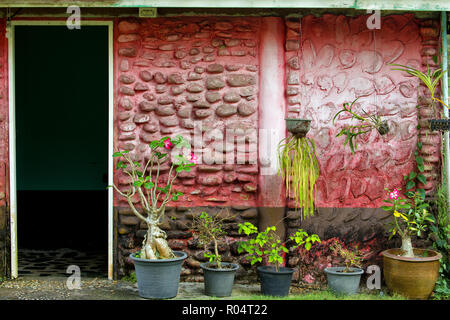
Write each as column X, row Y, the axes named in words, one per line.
column 272, row 127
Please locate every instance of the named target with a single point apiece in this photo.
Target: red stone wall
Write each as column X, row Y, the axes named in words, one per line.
column 175, row 74
column 4, row 218
column 334, row 60
column 431, row 140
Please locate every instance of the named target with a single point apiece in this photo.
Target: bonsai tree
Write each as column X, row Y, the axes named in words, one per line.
column 411, row 217
column 299, row 169
column 154, row 194
column 366, row 124
column 210, row 230
column 352, row 258
column 267, row 244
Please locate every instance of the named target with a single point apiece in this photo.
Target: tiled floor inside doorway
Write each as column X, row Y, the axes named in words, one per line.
column 55, row 262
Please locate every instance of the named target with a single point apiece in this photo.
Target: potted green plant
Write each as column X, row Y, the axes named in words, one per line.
column 345, row 280
column 366, row 124
column 409, row 271
column 431, row 81
column 299, row 166
column 218, row 275
column 275, row 280
column 157, row 267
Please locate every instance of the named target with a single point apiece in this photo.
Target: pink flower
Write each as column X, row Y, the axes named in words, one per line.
column 393, row 195
column 167, row 144
column 194, row 158
column 308, row 278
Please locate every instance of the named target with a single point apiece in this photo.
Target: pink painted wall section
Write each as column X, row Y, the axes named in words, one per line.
column 335, row 59
column 3, row 112
column 271, row 112
column 172, row 74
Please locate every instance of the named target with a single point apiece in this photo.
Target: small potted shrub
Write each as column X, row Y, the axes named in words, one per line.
column 157, row 267
column 218, row 275
column 345, row 280
column 410, row 271
column 299, row 166
column 275, row 279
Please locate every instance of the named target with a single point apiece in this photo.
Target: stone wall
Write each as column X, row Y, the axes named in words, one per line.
column 339, row 65
column 4, row 211
column 174, row 73
column 173, row 76
column 334, row 60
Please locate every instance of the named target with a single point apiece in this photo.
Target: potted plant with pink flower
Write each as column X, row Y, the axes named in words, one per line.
column 410, row 271
column 157, row 267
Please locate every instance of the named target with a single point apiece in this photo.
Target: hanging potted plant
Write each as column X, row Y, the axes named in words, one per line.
column 409, row 271
column 299, row 166
column 366, row 124
column 157, row 267
column 431, row 81
column 275, row 280
column 218, row 275
column 345, row 280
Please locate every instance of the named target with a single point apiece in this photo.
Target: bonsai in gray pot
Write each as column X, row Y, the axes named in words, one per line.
column 275, row 279
column 157, row 267
column 218, row 275
column 345, row 280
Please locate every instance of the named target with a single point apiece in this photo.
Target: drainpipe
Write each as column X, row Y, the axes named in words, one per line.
column 445, row 99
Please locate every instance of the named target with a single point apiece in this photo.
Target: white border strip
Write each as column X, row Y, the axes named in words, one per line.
column 12, row 137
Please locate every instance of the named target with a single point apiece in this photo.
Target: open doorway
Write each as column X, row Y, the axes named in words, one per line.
column 61, row 116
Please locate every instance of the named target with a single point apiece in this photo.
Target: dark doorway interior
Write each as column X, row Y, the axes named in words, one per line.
column 61, row 94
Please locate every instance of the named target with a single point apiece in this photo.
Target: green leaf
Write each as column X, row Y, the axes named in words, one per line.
column 412, row 175
column 422, row 178
column 149, row 185
column 410, row 184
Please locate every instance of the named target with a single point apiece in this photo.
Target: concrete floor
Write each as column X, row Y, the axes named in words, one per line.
column 55, row 288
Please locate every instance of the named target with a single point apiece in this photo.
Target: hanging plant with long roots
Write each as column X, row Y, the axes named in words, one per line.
column 299, row 169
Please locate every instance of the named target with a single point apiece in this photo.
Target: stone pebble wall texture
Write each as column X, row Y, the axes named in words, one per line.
column 334, row 60
column 171, row 76
column 340, row 60
column 4, row 221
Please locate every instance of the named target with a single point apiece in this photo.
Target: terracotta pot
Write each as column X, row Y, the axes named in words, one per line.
column 413, row 278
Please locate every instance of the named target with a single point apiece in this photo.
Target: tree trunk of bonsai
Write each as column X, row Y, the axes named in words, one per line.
column 407, row 247
column 155, row 245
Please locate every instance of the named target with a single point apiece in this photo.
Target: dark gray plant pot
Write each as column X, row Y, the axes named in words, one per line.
column 219, row 282
column 275, row 283
column 343, row 282
column 158, row 279
column 298, row 127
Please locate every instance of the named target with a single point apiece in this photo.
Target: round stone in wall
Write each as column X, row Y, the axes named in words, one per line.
column 226, row 110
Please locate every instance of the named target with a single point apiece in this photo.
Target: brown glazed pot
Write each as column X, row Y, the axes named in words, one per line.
column 413, row 278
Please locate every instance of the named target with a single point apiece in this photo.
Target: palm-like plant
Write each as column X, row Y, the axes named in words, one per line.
column 429, row 79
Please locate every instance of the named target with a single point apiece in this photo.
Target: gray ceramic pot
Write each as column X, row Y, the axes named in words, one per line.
column 343, row 282
column 158, row 279
column 275, row 283
column 219, row 282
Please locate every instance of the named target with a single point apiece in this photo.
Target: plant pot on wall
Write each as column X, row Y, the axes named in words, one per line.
column 158, row 279
column 298, row 127
column 219, row 282
column 275, row 283
column 341, row 282
column 439, row 124
column 412, row 277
